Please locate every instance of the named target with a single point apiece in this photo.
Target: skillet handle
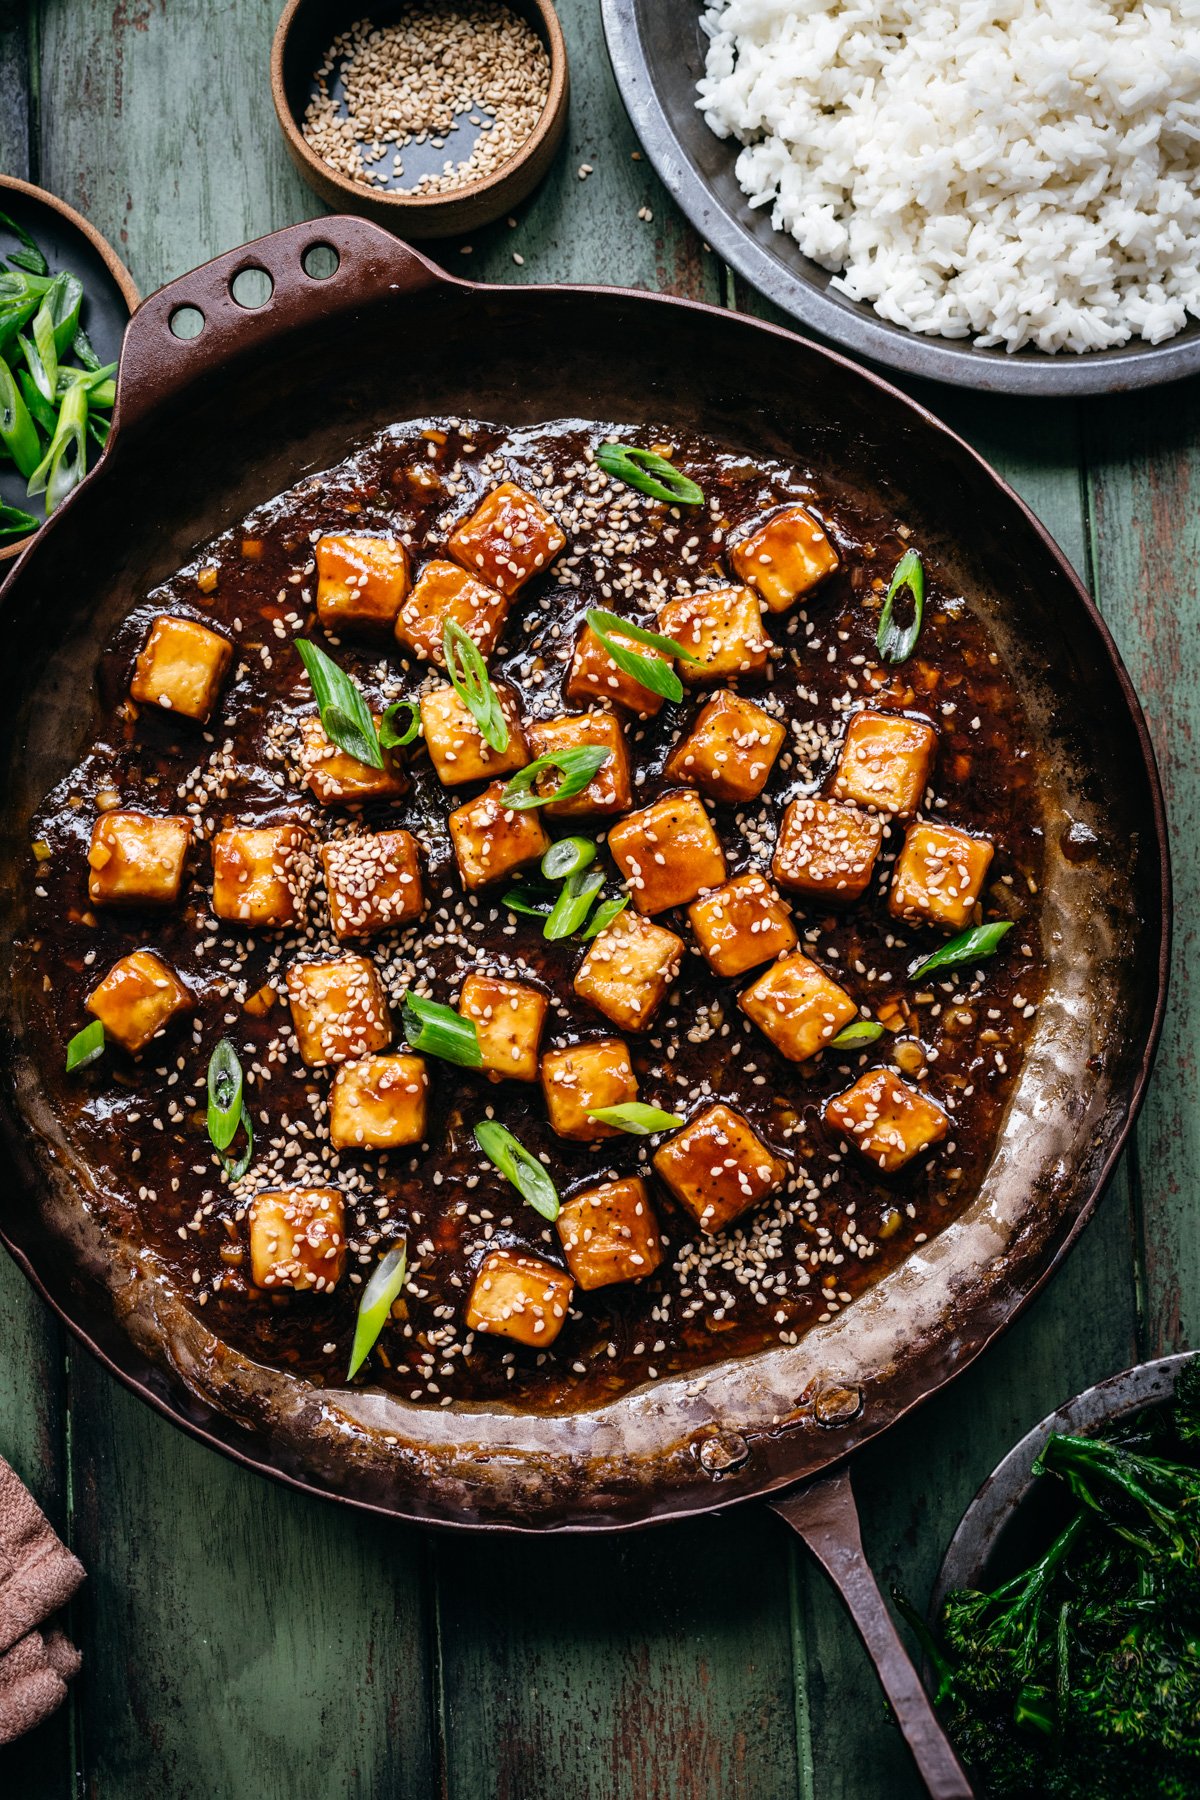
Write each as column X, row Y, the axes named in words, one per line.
column 823, row 1513
column 156, row 363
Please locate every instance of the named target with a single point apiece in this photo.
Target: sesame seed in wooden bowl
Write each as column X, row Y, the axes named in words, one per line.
column 431, row 117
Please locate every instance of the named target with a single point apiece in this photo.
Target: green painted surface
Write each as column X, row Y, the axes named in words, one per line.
column 244, row 1643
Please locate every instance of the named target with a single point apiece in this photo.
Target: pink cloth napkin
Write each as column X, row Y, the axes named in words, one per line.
column 38, row 1574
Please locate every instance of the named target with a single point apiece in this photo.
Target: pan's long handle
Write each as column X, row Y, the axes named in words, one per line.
column 156, row 361
column 823, row 1513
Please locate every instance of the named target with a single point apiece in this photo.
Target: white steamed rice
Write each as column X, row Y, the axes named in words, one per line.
column 1024, row 172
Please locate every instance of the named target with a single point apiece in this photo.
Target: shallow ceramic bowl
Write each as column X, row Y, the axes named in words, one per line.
column 303, row 35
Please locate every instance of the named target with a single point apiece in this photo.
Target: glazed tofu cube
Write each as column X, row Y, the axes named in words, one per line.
column 519, row 1297
column 611, row 791
column 361, row 582
column 595, row 676
column 585, row 1077
column 373, row 882
column 491, row 840
column 445, row 591
column 886, row 1119
column 723, row 629
column 297, row 1239
column 797, row 1006
column 339, row 1010
column 786, row 558
column 742, row 924
column 136, row 860
column 717, row 1167
column 458, row 749
column 262, row 876
column 730, row 749
column 181, row 667
column 340, row 780
column 137, row 999
column 628, row 970
column 885, row 762
column 668, row 853
column 826, row 848
column 939, row 875
column 508, row 1017
column 610, row 1234
column 378, row 1103
column 507, row 539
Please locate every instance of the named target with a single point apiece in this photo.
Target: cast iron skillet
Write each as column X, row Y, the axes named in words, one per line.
column 209, row 426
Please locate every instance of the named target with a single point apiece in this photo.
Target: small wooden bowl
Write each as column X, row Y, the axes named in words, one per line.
column 109, row 296
column 303, row 35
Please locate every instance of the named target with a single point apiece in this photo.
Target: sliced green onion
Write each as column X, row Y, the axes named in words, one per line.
column 39, row 350
column 969, row 946
column 649, row 472
column 84, row 351
column 471, row 682
column 63, row 466
column 20, row 297
column 391, row 735
column 638, row 1119
column 650, row 672
column 85, row 1046
column 18, row 434
column 437, row 1030
column 44, row 414
column 577, row 767
column 515, row 1163
column 15, row 524
column 604, row 915
column 574, row 903
column 863, row 1031
column 65, row 301
column 29, row 256
column 378, row 1298
column 568, row 857
column 527, row 898
column 227, row 1109
column 345, row 716
column 896, row 642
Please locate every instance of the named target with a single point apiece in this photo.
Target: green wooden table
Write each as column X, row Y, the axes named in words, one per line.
column 246, row 1643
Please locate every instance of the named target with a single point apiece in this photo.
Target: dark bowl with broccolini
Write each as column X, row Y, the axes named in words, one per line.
column 1063, row 1642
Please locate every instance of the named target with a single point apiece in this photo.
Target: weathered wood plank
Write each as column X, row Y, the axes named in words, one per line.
column 14, row 91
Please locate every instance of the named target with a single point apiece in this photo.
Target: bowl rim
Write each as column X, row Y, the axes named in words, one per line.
column 418, row 206
column 852, row 325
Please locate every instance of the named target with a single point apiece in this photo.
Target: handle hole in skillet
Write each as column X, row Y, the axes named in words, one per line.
column 186, row 322
column 252, row 288
column 320, row 261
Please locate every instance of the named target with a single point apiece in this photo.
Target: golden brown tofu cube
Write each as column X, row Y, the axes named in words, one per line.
column 373, row 882
column 458, row 749
column 297, row 1239
column 339, row 1010
column 446, row 591
column 583, row 1078
column 826, row 848
column 786, row 558
column 378, row 1103
column 181, row 667
column 886, row 1119
column 137, row 999
column 610, row 1234
column 507, row 539
column 337, row 779
column 508, row 1017
column 939, row 875
column 519, row 1297
column 885, row 762
column 723, row 630
column 262, row 876
column 595, row 676
column 628, row 970
column 730, row 749
column 491, row 840
column 742, row 924
column 717, row 1167
column 611, row 790
column 797, row 1006
column 668, row 853
column 136, row 860
column 361, row 581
